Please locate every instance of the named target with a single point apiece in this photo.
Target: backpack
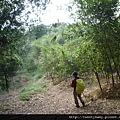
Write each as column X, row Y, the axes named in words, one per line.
column 80, row 86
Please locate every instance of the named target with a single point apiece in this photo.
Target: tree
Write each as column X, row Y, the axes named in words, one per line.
column 101, row 16
column 36, row 32
column 10, row 42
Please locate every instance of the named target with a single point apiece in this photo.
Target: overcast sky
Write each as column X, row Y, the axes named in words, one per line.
column 56, row 10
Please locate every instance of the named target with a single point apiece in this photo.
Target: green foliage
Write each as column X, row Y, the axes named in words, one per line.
column 35, row 75
column 97, row 11
column 11, row 43
column 77, row 52
column 30, row 64
column 32, row 88
column 36, row 32
column 39, row 3
column 86, row 47
column 101, row 16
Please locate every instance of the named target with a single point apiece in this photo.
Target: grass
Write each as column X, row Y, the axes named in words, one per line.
column 32, row 75
column 30, row 89
column 35, row 75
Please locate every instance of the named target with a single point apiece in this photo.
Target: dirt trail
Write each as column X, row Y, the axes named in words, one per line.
column 57, row 100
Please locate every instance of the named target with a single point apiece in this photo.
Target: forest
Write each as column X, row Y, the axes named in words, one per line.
column 90, row 46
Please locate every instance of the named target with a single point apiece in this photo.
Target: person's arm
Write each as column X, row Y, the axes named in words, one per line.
column 73, row 83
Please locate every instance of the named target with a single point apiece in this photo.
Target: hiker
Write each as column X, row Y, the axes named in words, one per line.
column 75, row 75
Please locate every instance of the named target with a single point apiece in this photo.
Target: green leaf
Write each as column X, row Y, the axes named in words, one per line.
column 53, row 39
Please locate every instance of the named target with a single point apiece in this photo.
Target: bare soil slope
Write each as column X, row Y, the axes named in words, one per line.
column 58, row 99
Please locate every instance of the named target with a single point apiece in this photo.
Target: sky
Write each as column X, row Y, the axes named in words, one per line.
column 56, row 10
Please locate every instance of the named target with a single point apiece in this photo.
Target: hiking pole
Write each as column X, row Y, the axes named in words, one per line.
column 88, row 102
column 84, row 94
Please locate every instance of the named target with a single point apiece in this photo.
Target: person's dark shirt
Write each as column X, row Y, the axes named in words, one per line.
column 74, row 82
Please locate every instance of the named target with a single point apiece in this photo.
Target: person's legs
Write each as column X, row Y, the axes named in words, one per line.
column 81, row 100
column 75, row 99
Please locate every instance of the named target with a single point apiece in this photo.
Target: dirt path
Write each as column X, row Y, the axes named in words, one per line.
column 56, row 100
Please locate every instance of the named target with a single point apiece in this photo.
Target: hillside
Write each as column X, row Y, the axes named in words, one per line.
column 58, row 99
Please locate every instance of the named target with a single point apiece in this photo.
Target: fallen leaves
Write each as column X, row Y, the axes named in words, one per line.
column 59, row 101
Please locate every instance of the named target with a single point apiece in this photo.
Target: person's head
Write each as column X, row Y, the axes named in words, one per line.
column 75, row 74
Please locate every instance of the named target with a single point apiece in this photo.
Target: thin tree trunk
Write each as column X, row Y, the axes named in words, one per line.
column 113, row 81
column 107, row 78
column 6, row 81
column 97, row 76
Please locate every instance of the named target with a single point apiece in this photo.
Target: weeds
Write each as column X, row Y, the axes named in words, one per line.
column 30, row 89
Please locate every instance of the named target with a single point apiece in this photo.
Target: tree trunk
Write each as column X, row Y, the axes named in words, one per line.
column 113, row 81
column 107, row 78
column 96, row 74
column 6, row 80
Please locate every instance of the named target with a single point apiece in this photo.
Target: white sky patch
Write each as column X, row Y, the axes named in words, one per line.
column 56, row 10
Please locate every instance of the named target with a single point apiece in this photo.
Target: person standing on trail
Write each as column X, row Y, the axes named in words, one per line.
column 76, row 95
